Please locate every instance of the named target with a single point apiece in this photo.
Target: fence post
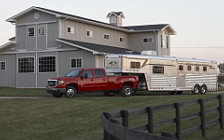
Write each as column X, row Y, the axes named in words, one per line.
column 150, row 120
column 202, row 116
column 221, row 115
column 124, row 114
column 106, row 135
column 178, row 121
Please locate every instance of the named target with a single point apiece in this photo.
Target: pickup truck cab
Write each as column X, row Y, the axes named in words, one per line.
column 92, row 79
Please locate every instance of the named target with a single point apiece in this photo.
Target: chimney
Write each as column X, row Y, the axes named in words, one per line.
column 115, row 18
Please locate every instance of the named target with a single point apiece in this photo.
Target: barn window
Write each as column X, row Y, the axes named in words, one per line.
column 47, row 64
column 147, row 40
column 135, row 65
column 70, row 30
column 2, row 65
column 76, row 63
column 31, row 31
column 26, row 65
column 189, row 68
column 181, row 67
column 106, row 36
column 158, row 69
column 197, row 68
column 204, row 68
column 41, row 31
column 89, row 33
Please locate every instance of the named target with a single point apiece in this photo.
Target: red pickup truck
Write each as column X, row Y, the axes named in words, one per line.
column 93, row 79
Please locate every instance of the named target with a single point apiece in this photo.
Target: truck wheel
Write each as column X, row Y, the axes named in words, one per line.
column 197, row 89
column 57, row 95
column 172, row 92
column 203, row 89
column 126, row 91
column 71, row 92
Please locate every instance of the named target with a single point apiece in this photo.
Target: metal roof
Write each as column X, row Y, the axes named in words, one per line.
column 162, row 57
column 96, row 48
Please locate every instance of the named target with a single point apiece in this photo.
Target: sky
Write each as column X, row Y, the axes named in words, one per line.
column 198, row 23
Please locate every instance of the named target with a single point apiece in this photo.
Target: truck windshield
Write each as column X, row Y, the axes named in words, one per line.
column 73, row 73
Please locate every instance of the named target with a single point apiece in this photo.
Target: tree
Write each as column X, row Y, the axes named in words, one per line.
column 221, row 68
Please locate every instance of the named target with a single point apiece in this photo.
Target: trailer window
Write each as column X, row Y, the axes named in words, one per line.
column 135, row 65
column 204, row 68
column 158, row 69
column 181, row 67
column 189, row 68
column 197, row 68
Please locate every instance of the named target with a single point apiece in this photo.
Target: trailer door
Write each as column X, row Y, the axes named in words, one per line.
column 181, row 76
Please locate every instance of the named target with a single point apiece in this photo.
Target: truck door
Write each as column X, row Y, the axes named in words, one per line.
column 101, row 80
column 87, row 81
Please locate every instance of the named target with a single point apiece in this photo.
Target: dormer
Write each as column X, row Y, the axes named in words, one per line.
column 115, row 18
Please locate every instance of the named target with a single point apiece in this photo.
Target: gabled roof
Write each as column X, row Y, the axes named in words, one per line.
column 95, row 22
column 96, row 48
column 7, row 44
column 156, row 27
column 116, row 14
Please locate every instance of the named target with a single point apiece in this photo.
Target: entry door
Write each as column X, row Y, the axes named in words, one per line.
column 181, row 76
column 87, row 81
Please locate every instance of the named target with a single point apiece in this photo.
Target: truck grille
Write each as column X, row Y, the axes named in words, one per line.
column 52, row 83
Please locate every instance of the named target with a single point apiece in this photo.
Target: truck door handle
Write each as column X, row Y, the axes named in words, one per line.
column 104, row 79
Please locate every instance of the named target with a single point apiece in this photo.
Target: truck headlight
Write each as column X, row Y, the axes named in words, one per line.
column 60, row 83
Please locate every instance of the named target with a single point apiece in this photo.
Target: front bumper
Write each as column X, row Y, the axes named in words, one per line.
column 56, row 90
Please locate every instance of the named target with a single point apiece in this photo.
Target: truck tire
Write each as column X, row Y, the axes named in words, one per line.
column 71, row 92
column 57, row 95
column 197, row 89
column 126, row 91
column 203, row 89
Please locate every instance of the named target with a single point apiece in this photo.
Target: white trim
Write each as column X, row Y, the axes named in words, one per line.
column 36, row 38
column 1, row 66
column 17, row 62
column 76, row 58
column 34, row 23
column 57, row 64
column 47, row 56
column 7, row 44
column 74, row 45
column 46, row 35
column 12, row 19
column 36, row 68
column 40, row 51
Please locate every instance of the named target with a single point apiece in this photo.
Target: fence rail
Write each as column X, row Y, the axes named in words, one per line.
column 114, row 131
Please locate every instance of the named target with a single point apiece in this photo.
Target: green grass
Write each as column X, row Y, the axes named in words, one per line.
column 79, row 118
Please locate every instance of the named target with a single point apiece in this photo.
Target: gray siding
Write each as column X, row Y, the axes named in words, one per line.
column 52, row 34
column 29, row 17
column 8, row 76
column 98, row 34
column 136, row 42
column 65, row 60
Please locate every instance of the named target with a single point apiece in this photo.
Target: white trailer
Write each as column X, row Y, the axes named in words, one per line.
column 171, row 74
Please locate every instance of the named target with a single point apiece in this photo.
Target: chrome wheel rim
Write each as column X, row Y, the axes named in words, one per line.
column 70, row 93
column 196, row 90
column 128, row 91
column 203, row 90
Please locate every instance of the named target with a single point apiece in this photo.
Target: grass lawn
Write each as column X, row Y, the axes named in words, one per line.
column 79, row 118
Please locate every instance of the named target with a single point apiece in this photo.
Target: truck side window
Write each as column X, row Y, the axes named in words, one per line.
column 99, row 73
column 88, row 73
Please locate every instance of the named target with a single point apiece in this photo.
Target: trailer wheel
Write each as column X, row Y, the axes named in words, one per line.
column 203, row 89
column 197, row 89
column 179, row 92
column 172, row 92
column 71, row 92
column 57, row 95
column 126, row 91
